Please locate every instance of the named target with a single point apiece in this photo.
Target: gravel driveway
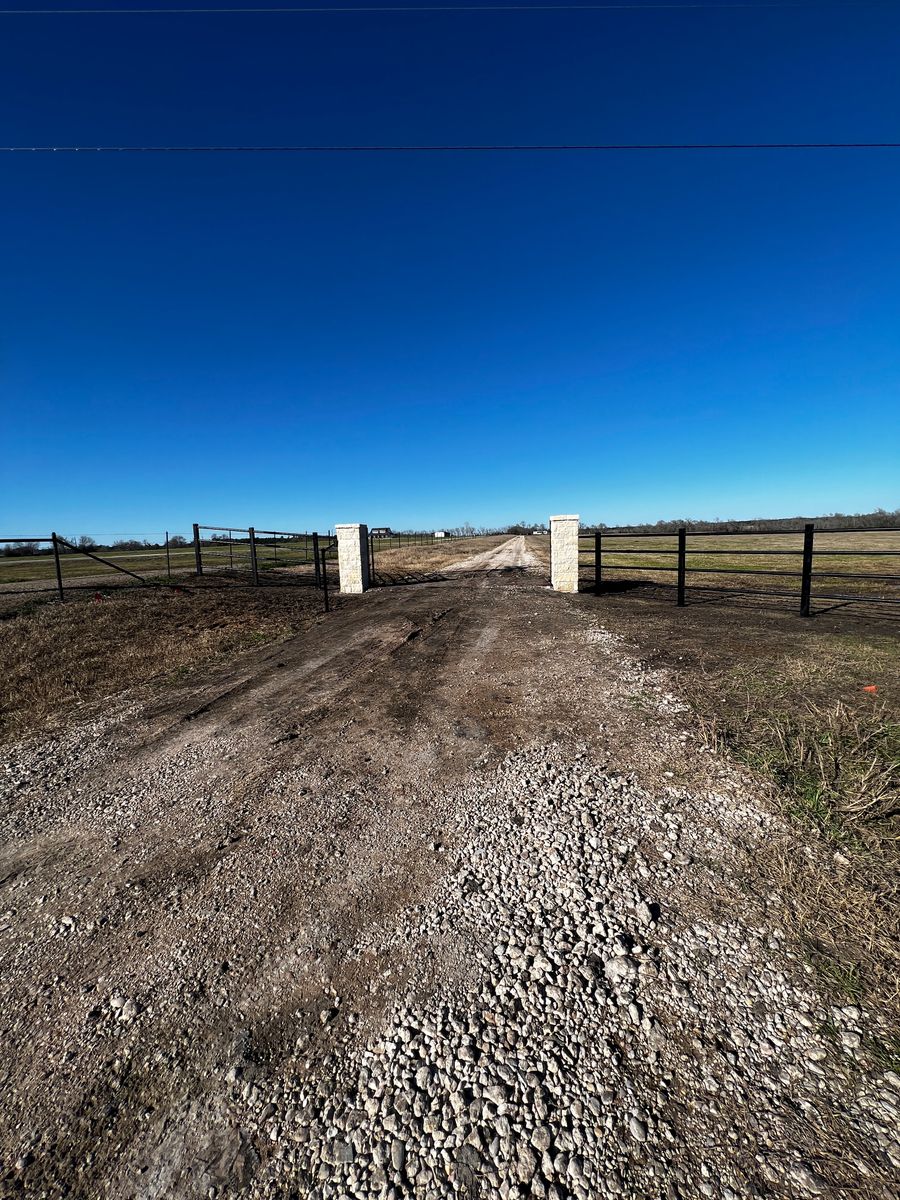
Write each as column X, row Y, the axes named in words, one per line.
column 440, row 898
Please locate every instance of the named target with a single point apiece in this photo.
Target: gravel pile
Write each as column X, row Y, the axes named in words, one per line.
column 612, row 1027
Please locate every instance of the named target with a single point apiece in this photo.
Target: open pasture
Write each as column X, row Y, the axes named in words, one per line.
column 27, row 568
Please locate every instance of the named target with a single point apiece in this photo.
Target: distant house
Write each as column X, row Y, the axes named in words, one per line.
column 440, row 533
column 381, row 531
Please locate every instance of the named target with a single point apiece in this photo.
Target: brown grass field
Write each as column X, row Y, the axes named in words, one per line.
column 56, row 657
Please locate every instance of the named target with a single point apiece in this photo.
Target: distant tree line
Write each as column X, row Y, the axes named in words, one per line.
column 881, row 518
column 85, row 542
column 469, row 530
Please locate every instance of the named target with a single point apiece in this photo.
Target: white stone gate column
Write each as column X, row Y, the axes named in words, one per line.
column 564, row 553
column 353, row 557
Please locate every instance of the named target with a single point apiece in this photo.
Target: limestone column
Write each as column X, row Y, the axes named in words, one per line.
column 353, row 557
column 564, row 553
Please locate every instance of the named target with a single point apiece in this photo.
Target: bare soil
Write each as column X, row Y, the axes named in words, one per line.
column 58, row 657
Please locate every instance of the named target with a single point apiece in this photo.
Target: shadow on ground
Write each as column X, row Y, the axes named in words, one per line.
column 784, row 603
column 383, row 579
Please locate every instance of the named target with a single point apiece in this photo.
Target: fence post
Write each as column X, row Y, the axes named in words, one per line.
column 253, row 569
column 198, row 559
column 168, row 560
column 806, row 577
column 564, row 553
column 316, row 564
column 682, row 564
column 58, row 565
column 325, row 580
column 597, row 555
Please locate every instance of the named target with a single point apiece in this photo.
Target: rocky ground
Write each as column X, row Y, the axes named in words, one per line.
column 443, row 898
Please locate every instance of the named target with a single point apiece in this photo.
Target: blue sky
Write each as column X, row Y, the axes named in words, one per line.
column 423, row 340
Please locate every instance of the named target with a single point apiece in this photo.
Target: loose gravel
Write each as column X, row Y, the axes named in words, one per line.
column 597, row 1038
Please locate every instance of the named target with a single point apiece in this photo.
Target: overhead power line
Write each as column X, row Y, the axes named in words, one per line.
column 444, row 8
column 461, row 148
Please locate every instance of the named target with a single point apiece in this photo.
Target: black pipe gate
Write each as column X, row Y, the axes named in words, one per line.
column 257, row 550
column 593, row 546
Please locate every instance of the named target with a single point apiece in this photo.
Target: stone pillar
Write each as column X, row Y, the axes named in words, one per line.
column 564, row 553
column 353, row 557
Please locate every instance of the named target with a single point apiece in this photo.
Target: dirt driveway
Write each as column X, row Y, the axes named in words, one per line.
column 440, row 898
column 513, row 553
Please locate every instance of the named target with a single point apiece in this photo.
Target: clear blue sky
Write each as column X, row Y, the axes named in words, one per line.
column 421, row 340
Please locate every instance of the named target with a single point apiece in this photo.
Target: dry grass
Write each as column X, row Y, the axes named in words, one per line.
column 833, row 765
column 842, row 762
column 54, row 657
column 539, row 545
column 839, row 763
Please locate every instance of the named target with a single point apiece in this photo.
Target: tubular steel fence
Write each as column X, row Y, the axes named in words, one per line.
column 221, row 547
column 394, row 541
column 261, row 551
column 42, row 570
column 51, row 562
column 817, row 552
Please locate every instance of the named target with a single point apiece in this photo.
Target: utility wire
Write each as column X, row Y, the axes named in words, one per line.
column 454, row 149
column 447, row 8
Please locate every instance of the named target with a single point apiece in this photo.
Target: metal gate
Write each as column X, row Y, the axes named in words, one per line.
column 257, row 551
column 380, row 539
